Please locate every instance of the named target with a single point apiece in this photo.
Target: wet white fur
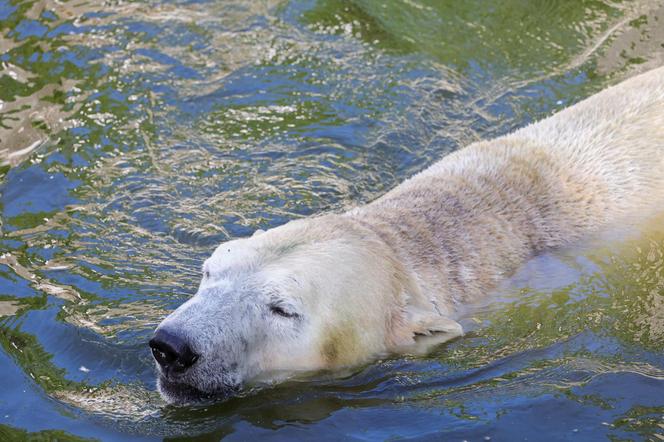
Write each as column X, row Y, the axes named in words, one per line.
column 368, row 281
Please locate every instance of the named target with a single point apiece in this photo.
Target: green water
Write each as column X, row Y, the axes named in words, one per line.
column 135, row 136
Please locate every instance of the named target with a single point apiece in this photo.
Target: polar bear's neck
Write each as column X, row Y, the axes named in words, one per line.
column 462, row 229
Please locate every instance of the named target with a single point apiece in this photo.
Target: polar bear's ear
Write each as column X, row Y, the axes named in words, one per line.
column 421, row 329
column 425, row 323
column 258, row 232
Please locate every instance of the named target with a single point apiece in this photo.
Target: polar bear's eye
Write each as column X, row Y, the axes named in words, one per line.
column 279, row 310
column 206, row 274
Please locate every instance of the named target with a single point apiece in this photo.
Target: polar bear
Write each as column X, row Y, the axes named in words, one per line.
column 340, row 289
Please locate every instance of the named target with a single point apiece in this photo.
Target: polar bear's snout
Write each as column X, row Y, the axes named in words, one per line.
column 172, row 351
column 197, row 347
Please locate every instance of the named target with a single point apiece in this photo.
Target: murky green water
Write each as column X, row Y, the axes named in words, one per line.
column 135, row 136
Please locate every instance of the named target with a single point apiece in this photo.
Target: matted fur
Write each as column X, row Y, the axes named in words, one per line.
column 367, row 282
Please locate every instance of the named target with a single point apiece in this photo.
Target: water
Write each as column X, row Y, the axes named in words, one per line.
column 135, row 136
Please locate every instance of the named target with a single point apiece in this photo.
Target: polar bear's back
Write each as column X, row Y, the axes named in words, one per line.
column 616, row 136
column 476, row 214
column 609, row 148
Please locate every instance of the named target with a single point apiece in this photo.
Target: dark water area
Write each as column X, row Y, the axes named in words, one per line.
column 137, row 135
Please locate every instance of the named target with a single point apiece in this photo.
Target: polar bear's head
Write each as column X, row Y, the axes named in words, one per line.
column 313, row 294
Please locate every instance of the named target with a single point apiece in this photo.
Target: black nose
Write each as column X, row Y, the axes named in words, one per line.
column 171, row 351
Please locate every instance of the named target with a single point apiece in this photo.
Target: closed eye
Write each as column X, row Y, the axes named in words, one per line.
column 278, row 310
